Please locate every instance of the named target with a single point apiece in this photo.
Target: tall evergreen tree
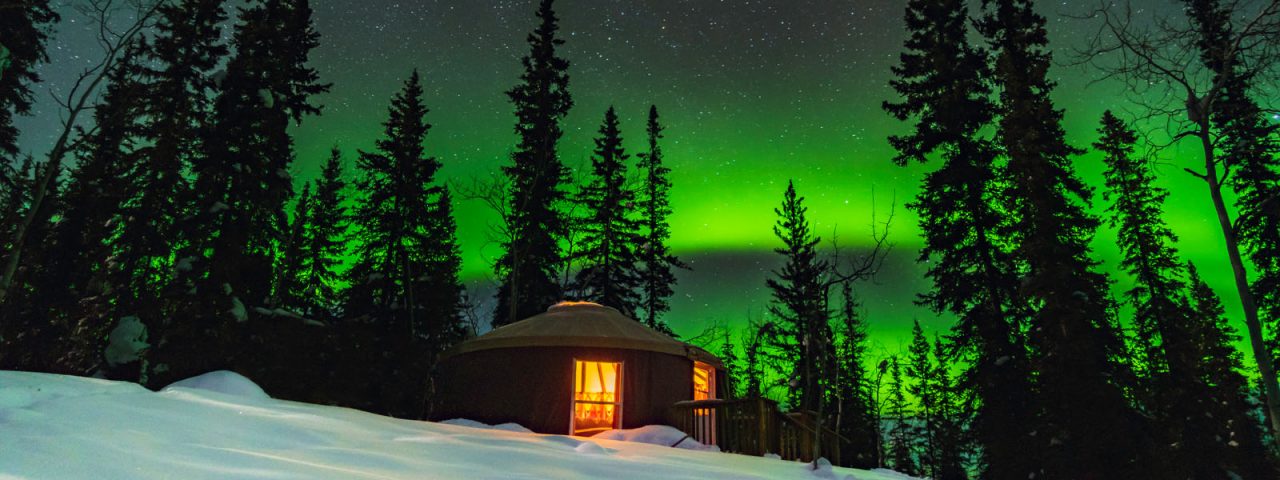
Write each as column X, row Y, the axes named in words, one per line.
column 900, row 438
column 324, row 240
column 405, row 279
column 950, row 442
column 186, row 50
column 855, row 417
column 241, row 189
column 535, row 222
column 286, row 293
column 1180, row 338
column 942, row 79
column 25, row 28
column 656, row 260
column 24, row 331
column 1225, row 429
column 799, row 304
column 72, row 293
column 610, row 230
column 1086, row 424
column 922, row 385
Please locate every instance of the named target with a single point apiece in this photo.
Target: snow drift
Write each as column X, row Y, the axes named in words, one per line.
column 222, row 426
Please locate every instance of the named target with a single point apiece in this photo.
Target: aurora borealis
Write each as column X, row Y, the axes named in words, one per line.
column 752, row 92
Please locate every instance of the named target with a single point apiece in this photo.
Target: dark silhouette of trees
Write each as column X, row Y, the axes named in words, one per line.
column 1189, row 402
column 943, row 81
column 535, row 222
column 186, row 49
column 853, row 402
column 1203, row 67
column 242, row 186
column 404, row 283
column 656, row 260
column 799, row 304
column 1075, row 346
column 610, row 231
column 324, row 243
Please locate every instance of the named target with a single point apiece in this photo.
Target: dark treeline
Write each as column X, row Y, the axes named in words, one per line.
column 1051, row 384
column 176, row 243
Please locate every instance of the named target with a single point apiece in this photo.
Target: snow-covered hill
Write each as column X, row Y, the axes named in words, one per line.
column 221, row 426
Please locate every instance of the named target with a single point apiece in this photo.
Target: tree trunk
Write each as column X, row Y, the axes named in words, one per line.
column 1261, row 355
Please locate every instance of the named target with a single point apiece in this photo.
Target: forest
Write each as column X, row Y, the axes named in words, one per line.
column 163, row 235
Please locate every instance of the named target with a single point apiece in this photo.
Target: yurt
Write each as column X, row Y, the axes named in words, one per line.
column 579, row 369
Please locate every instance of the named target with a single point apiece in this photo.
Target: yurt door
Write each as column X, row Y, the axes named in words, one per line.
column 704, row 388
column 597, row 397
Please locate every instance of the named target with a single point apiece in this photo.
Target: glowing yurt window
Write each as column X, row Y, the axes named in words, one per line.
column 597, row 397
column 704, row 381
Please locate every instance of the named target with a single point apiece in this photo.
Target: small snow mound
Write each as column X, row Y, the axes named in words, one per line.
column 506, row 427
column 656, row 435
column 590, row 448
column 222, row 381
column 822, row 469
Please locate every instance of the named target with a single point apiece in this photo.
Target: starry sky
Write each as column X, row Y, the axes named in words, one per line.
column 752, row 92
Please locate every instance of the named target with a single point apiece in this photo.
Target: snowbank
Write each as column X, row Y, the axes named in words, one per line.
column 59, row 427
column 506, row 427
column 221, row 381
column 655, row 435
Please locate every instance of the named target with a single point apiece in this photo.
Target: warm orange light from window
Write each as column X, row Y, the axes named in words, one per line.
column 704, row 381
column 596, row 396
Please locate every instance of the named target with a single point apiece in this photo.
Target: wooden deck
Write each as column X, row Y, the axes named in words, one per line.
column 753, row 426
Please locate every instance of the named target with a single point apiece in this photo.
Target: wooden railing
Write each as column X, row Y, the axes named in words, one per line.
column 753, row 426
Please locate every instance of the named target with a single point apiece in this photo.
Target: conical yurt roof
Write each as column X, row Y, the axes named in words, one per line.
column 581, row 324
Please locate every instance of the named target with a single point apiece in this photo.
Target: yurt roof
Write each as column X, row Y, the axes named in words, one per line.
column 581, row 324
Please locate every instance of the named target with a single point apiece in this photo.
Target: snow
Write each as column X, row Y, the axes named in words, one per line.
column 207, row 427
column 506, row 427
column 221, row 381
column 126, row 341
column 656, row 435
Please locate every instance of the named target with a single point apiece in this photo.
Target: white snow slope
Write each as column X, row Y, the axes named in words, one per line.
column 61, row 427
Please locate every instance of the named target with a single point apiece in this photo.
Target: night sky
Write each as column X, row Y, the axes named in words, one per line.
column 752, row 93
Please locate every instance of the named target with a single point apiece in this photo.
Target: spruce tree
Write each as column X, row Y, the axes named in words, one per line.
column 289, row 268
column 404, row 283
column 535, row 222
column 799, row 304
column 324, row 240
column 656, row 260
column 72, row 294
column 900, row 438
column 855, row 417
column 186, row 49
column 950, row 443
column 24, row 330
column 1221, row 422
column 609, row 229
column 942, row 79
column 25, row 28
column 1147, row 244
column 242, row 186
column 1086, row 426
column 921, row 378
